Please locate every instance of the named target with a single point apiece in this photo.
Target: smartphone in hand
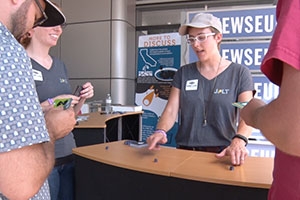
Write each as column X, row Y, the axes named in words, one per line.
column 77, row 90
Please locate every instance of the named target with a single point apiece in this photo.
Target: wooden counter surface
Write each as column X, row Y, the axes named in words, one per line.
column 140, row 159
column 255, row 172
column 191, row 165
column 97, row 120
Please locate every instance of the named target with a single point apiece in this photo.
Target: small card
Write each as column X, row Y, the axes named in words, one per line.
column 136, row 144
column 66, row 103
column 239, row 104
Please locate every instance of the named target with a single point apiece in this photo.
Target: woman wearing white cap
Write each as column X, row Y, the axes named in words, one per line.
column 202, row 97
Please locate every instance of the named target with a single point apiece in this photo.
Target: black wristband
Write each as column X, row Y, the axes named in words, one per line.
column 241, row 137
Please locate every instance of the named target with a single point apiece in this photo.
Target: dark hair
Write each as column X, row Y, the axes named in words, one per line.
column 25, row 40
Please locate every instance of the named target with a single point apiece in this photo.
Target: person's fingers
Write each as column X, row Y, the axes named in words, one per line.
column 221, row 154
column 154, row 141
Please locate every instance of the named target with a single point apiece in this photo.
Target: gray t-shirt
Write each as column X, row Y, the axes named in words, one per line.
column 51, row 83
column 198, row 94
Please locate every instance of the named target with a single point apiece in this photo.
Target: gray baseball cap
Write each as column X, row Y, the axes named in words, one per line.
column 201, row 20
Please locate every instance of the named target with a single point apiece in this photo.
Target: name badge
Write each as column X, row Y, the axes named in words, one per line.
column 191, row 85
column 37, row 75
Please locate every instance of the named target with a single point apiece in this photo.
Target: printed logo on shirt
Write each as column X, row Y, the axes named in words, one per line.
column 221, row 91
column 37, row 75
column 63, row 80
column 191, row 85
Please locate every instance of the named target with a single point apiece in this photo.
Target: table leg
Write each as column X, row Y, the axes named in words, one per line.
column 104, row 135
column 120, row 128
column 140, row 127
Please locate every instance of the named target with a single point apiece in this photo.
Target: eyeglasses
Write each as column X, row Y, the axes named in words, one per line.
column 42, row 19
column 63, row 26
column 199, row 38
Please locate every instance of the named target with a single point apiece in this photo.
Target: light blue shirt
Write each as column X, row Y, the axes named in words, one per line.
column 22, row 121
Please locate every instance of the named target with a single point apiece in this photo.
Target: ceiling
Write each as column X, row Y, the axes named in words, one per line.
column 175, row 4
column 166, row 15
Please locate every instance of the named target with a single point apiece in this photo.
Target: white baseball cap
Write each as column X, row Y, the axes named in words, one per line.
column 201, row 20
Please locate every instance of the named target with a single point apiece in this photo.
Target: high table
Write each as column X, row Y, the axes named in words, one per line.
column 98, row 128
column 117, row 171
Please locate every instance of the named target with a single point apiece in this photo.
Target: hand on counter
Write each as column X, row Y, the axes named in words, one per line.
column 237, row 152
column 155, row 140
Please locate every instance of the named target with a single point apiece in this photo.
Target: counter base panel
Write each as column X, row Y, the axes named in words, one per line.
column 95, row 180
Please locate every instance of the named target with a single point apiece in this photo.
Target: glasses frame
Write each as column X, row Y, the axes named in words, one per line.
column 192, row 40
column 42, row 19
column 63, row 26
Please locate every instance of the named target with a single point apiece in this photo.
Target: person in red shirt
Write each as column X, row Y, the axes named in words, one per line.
column 279, row 120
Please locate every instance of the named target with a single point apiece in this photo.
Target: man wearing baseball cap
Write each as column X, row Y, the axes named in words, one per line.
column 27, row 133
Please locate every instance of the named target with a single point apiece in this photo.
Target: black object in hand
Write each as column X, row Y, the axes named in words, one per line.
column 77, row 90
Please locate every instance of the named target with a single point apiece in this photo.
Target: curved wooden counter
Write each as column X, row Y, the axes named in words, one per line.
column 256, row 172
column 98, row 126
column 97, row 120
column 169, row 169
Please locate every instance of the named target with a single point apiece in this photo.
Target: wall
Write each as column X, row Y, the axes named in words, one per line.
column 98, row 45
